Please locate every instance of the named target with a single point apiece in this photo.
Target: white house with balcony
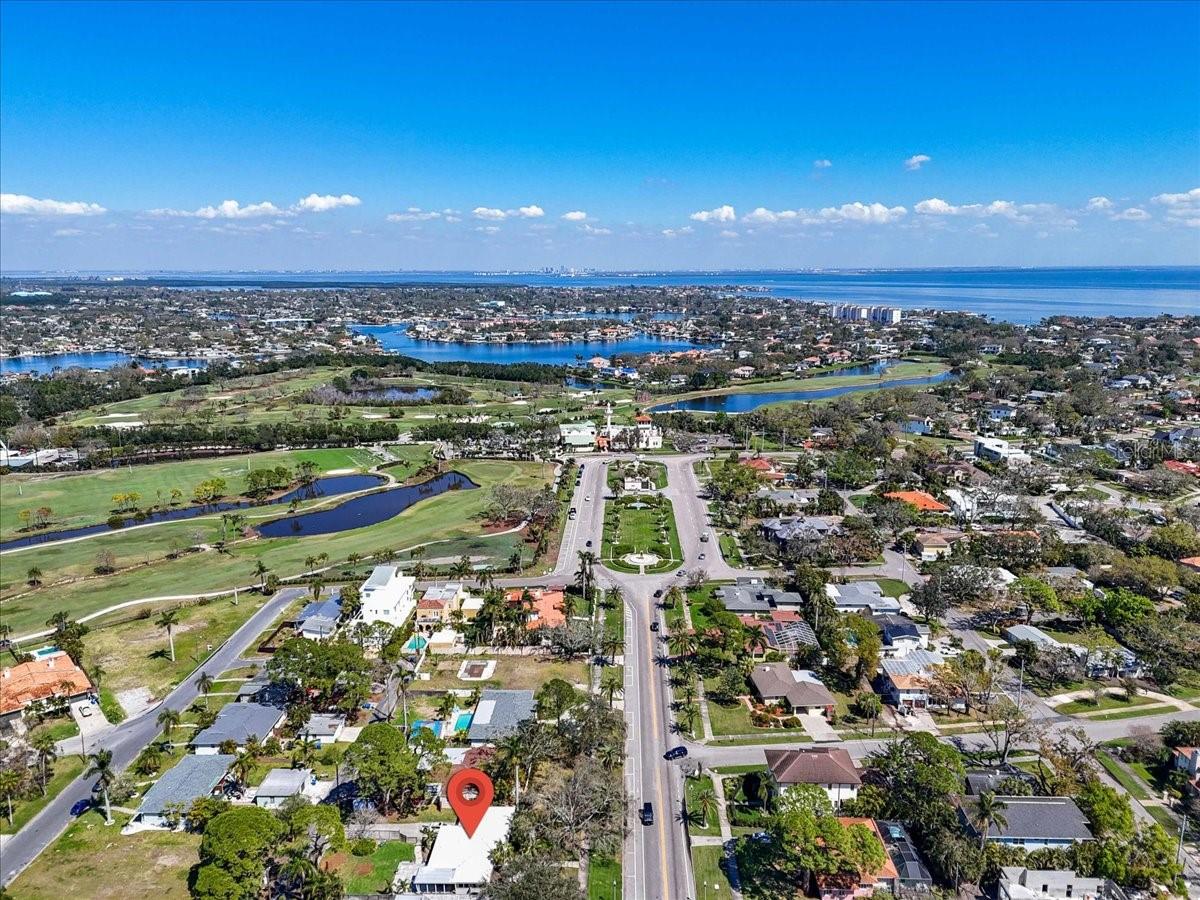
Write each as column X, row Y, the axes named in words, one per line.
column 388, row 596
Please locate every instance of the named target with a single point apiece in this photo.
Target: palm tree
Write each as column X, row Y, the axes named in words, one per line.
column 243, row 765
column 168, row 620
column 705, row 802
column 756, row 639
column 988, row 813
column 687, row 715
column 101, row 769
column 611, row 645
column 44, row 745
column 168, row 721
column 33, row 576
column 304, row 750
column 404, row 678
column 683, row 643
column 585, row 575
column 610, row 755
column 447, row 705
column 511, row 754
column 10, row 786
column 260, row 569
column 310, row 563
column 204, row 684
column 611, row 684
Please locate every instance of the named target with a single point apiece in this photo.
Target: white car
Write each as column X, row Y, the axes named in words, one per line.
column 587, row 499
column 85, row 711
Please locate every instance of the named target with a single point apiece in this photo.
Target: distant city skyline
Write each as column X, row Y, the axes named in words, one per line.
column 198, row 137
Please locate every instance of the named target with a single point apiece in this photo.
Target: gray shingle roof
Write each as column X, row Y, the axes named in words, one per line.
column 238, row 722
column 756, row 598
column 499, row 713
column 1040, row 818
column 192, row 777
column 283, row 782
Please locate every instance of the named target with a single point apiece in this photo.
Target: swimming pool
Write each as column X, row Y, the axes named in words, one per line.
column 463, row 721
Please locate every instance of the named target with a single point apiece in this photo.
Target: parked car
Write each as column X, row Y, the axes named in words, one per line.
column 675, row 753
column 701, row 556
column 647, row 814
column 654, row 626
column 589, row 543
column 79, row 807
column 658, row 593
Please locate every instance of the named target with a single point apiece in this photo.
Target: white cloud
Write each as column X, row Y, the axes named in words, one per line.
column 227, row 209
column 763, row 216
column 676, row 232
column 416, row 214
column 872, row 213
column 326, row 202
column 1099, row 204
column 489, row 212
column 595, row 229
column 1133, row 214
column 1182, row 208
column 67, row 232
column 821, row 164
column 1046, row 213
column 720, row 214
column 531, row 212
column 24, row 205
column 913, row 163
column 487, row 229
column 936, row 206
column 575, row 215
column 729, row 234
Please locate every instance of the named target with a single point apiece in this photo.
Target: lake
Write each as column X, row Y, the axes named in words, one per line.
column 369, row 509
column 751, row 400
column 396, row 339
column 105, row 359
column 330, row 486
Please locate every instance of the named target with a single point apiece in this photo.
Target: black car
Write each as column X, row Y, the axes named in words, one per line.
column 589, row 543
column 675, row 753
column 654, row 626
column 658, row 593
column 79, row 807
column 647, row 814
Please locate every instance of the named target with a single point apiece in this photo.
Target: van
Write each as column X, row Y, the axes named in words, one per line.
column 647, row 814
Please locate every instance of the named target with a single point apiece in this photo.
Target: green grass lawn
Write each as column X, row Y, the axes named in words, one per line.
column 1151, row 710
column 450, row 516
column 1108, row 701
column 778, row 736
column 1132, row 785
column 373, row 874
column 640, row 525
column 902, row 370
column 655, row 471
column 740, row 770
column 892, row 587
column 93, row 860
column 604, row 878
column 711, row 883
column 694, row 787
column 85, row 498
column 65, row 770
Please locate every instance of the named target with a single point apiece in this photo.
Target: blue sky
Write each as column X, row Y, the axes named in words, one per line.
column 680, row 136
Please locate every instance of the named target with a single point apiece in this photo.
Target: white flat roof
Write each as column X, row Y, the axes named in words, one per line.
column 467, row 857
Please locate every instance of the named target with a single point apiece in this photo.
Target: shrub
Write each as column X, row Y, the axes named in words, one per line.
column 362, row 846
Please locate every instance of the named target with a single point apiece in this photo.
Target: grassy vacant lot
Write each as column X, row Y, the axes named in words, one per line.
column 710, row 877
column 85, row 498
column 372, row 874
column 93, row 860
column 134, row 653
column 604, row 878
column 450, row 516
column 65, row 770
column 512, row 673
column 699, row 825
column 641, row 524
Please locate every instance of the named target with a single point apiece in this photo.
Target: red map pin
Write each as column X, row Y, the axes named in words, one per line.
column 470, row 792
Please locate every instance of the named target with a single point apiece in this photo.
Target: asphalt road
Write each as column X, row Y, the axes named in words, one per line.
column 128, row 739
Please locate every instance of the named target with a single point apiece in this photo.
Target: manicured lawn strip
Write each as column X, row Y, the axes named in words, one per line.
column 637, row 530
column 1133, row 713
column 900, row 371
column 694, row 787
column 1132, row 786
column 1104, row 640
column 1163, row 818
column 94, row 860
column 65, row 769
column 614, row 619
column 1108, row 701
column 751, row 740
column 454, row 514
column 892, row 587
column 604, row 878
column 85, row 498
column 711, row 882
column 729, row 549
column 741, row 769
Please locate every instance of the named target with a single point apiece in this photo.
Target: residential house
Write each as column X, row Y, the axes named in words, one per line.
column 789, row 637
column 238, row 723
column 48, row 676
column 930, row 547
column 324, row 728
column 1019, row 883
column 544, row 606
column 319, row 620
column 829, row 768
column 279, row 785
column 905, row 682
column 797, row 690
column 806, row 529
column 766, row 468
column 861, row 597
column 458, row 865
column 900, row 636
column 387, row 596
column 911, row 872
column 921, row 500
column 1187, row 761
column 438, row 603
column 500, row 713
column 844, row 886
column 188, row 780
column 577, row 436
column 997, row 450
column 754, row 597
column 1034, row 823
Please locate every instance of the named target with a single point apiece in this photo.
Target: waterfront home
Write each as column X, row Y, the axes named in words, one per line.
column 387, row 596
column 48, row 676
